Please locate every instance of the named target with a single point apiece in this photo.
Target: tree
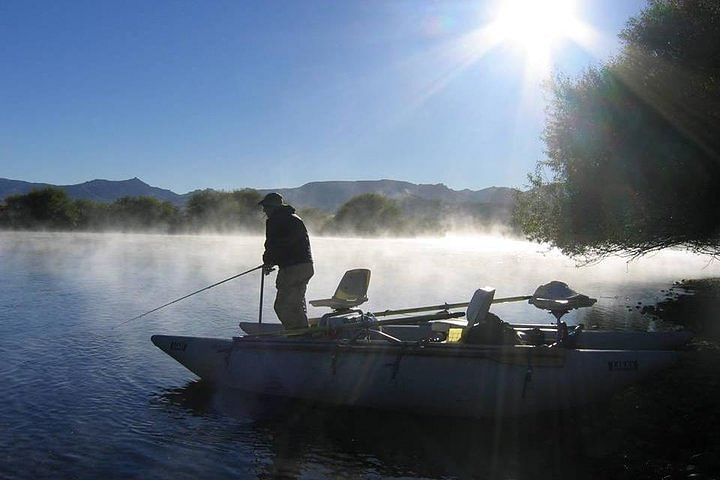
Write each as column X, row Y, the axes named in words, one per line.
column 93, row 215
column 424, row 216
column 315, row 219
column 248, row 213
column 367, row 214
column 224, row 211
column 633, row 147
column 143, row 213
column 45, row 208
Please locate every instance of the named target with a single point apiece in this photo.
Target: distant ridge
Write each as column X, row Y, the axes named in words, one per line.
column 98, row 190
column 327, row 195
column 331, row 194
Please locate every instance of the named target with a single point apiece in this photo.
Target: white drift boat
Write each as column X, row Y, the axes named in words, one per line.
column 432, row 364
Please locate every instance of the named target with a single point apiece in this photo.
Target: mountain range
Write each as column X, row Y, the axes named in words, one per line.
column 98, row 190
column 328, row 195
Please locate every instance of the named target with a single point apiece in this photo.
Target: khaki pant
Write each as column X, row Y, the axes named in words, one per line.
column 291, row 285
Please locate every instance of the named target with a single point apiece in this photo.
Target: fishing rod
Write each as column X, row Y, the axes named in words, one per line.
column 190, row 295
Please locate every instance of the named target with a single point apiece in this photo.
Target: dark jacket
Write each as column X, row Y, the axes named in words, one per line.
column 286, row 239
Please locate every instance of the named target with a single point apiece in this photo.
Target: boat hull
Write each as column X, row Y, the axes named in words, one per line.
column 440, row 379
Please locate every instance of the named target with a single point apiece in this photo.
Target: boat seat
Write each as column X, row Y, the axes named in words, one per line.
column 351, row 292
column 479, row 305
column 478, row 308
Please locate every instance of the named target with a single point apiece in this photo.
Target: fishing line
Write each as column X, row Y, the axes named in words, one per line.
column 189, row 295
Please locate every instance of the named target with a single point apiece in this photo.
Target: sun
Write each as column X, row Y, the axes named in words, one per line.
column 537, row 27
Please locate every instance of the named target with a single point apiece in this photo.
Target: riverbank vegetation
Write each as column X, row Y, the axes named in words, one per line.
column 679, row 406
column 211, row 211
column 633, row 146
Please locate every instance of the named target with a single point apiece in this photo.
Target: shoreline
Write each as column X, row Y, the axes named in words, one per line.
column 669, row 426
column 693, row 304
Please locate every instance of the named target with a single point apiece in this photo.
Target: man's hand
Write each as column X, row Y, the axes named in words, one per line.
column 267, row 269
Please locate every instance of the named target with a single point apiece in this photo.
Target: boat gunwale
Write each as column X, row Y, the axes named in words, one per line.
column 492, row 352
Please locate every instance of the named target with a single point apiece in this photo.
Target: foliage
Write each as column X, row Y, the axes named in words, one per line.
column 373, row 214
column 423, row 216
column 633, row 147
column 224, row 211
column 315, row 219
column 93, row 215
column 143, row 213
column 367, row 214
column 47, row 208
column 213, row 211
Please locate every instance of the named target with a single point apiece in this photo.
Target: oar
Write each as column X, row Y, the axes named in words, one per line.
column 444, row 306
column 447, row 306
column 190, row 295
column 442, row 315
column 362, row 324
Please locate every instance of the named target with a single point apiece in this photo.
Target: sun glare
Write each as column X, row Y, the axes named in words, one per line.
column 537, row 27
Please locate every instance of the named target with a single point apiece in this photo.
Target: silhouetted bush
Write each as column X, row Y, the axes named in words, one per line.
column 633, row 147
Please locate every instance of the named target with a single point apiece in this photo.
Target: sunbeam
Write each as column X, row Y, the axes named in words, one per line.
column 538, row 28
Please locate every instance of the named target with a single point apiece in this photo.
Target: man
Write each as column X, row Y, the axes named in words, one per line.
column 287, row 245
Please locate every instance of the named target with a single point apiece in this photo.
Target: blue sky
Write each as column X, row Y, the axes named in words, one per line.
column 229, row 94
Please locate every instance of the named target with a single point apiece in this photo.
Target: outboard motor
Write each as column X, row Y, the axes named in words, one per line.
column 558, row 298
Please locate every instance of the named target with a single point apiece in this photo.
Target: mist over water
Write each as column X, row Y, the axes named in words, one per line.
column 117, row 276
column 79, row 398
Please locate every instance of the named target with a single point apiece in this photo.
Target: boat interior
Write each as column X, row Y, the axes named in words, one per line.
column 460, row 323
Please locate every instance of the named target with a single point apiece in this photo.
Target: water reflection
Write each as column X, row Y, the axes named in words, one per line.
column 297, row 439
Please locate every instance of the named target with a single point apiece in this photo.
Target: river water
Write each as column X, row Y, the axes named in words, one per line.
column 81, row 397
